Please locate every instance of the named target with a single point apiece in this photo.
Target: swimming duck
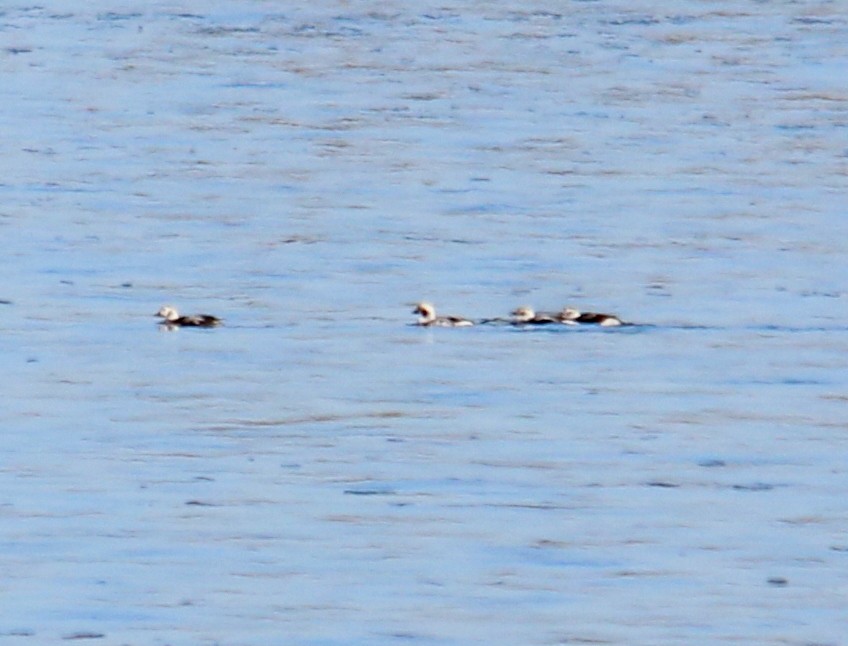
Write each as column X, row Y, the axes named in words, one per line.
column 571, row 315
column 525, row 315
column 427, row 317
column 171, row 317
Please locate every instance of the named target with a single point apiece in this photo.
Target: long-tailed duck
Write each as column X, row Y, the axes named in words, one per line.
column 571, row 315
column 427, row 317
column 525, row 315
column 171, row 317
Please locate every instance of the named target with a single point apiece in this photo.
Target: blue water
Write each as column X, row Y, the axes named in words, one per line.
column 320, row 472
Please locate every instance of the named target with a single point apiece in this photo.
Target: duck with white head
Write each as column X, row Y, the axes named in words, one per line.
column 427, row 317
column 171, row 317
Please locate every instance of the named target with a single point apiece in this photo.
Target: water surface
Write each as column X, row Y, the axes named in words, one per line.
column 318, row 471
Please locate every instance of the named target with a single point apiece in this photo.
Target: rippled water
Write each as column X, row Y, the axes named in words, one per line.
column 318, row 471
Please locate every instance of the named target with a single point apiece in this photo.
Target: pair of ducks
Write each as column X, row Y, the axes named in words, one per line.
column 521, row 316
